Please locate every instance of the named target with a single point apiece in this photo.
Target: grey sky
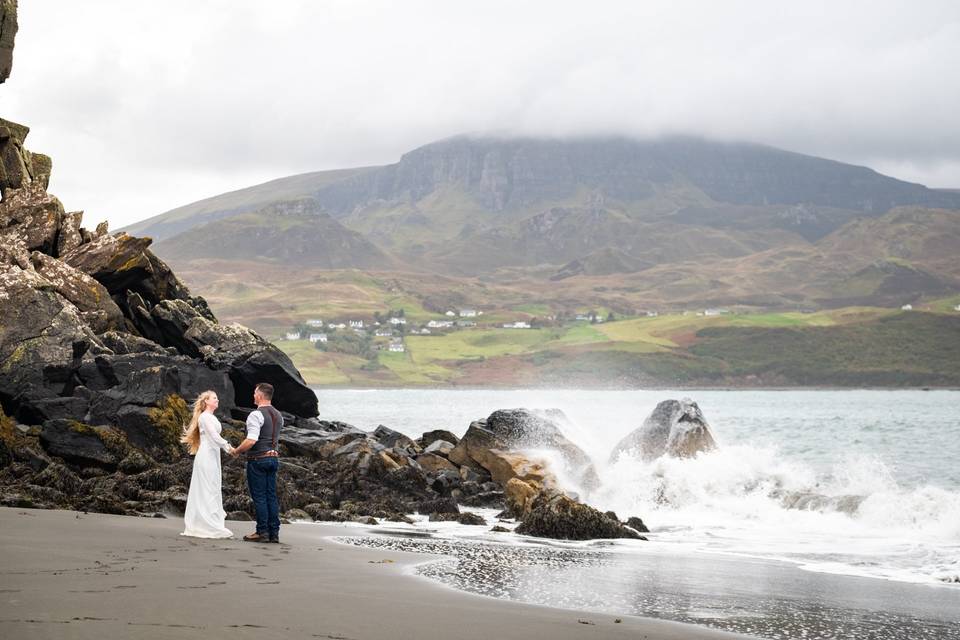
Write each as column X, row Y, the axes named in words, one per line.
column 145, row 106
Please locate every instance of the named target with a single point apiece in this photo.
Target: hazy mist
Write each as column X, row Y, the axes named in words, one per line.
column 147, row 106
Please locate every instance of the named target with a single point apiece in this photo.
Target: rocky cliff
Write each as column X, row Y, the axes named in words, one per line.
column 497, row 180
column 97, row 329
column 8, row 31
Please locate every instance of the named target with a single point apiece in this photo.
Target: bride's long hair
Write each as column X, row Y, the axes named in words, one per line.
column 191, row 432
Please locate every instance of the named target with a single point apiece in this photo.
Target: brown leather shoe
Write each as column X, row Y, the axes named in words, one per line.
column 255, row 537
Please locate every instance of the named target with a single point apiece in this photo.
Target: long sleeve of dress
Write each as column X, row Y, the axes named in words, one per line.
column 209, row 425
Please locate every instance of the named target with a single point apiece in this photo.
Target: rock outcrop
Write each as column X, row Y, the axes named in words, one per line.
column 560, row 516
column 98, row 330
column 8, row 31
column 524, row 430
column 506, row 446
column 675, row 428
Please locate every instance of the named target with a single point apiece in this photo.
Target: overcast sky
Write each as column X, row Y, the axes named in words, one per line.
column 145, row 106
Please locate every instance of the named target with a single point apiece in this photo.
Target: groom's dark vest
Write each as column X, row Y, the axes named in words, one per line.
column 269, row 432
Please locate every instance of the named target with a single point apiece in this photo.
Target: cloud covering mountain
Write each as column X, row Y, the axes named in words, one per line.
column 152, row 109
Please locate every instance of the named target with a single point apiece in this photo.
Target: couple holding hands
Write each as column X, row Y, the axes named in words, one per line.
column 204, row 516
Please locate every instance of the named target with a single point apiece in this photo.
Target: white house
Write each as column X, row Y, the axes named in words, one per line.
column 318, row 337
column 337, row 326
column 356, row 324
column 517, row 325
column 466, row 323
column 293, row 335
column 468, row 313
column 397, row 347
column 715, row 312
column 581, row 316
column 652, row 314
column 425, row 331
column 384, row 333
column 957, row 308
column 450, row 314
column 396, row 321
column 440, row 324
column 314, row 323
column 907, row 307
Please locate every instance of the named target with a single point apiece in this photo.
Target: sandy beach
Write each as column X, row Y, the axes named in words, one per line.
column 74, row 575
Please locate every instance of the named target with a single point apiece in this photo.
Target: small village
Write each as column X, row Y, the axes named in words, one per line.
column 387, row 332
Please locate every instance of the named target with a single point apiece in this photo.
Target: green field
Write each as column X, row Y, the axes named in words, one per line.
column 850, row 346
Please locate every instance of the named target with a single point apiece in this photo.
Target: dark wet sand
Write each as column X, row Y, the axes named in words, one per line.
column 70, row 575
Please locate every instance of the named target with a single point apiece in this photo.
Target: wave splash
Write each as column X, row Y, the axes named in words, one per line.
column 749, row 500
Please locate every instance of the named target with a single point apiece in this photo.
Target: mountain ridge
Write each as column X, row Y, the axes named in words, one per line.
column 505, row 173
column 683, row 219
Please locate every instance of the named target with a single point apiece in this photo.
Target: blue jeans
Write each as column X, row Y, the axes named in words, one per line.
column 262, row 482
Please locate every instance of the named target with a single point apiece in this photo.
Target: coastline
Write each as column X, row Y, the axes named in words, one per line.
column 580, row 387
column 74, row 575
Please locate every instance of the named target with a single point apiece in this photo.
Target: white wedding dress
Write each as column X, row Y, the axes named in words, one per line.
column 204, row 517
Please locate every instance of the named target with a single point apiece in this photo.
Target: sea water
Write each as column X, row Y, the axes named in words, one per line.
column 846, row 492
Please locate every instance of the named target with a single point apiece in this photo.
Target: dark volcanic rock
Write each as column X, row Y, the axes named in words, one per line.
column 429, row 437
column 319, row 442
column 247, row 357
column 394, row 439
column 123, row 263
column 42, row 339
column 91, row 299
column 439, row 505
column 472, row 519
column 675, row 428
column 78, row 443
column 559, row 516
column 636, row 523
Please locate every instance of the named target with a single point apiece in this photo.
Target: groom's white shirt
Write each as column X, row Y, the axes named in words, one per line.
column 254, row 422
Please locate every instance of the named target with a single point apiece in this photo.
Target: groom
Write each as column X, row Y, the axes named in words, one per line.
column 260, row 445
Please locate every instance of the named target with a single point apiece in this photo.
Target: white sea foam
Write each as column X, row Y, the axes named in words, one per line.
column 856, row 482
column 750, row 500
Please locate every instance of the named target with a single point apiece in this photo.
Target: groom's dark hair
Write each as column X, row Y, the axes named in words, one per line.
column 265, row 389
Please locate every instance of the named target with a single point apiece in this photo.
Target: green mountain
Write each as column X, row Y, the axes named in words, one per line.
column 288, row 232
column 671, row 221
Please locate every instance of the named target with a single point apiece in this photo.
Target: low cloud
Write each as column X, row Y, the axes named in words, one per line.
column 147, row 106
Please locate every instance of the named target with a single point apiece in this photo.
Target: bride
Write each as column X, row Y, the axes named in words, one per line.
column 204, row 517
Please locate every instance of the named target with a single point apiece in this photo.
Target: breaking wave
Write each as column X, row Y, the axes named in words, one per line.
column 750, row 500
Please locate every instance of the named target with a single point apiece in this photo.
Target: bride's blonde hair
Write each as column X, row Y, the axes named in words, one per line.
column 191, row 432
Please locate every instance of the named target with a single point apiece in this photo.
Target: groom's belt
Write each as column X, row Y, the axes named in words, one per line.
column 265, row 454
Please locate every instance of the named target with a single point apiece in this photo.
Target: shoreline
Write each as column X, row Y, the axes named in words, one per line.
column 73, row 575
column 355, row 387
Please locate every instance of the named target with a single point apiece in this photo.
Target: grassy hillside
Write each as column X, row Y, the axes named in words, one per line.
column 170, row 223
column 849, row 347
column 682, row 344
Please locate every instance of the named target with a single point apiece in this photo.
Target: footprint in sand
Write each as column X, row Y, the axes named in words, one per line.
column 213, row 583
column 125, row 586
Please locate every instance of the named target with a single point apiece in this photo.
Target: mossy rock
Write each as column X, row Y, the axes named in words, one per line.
column 170, row 418
column 7, row 428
